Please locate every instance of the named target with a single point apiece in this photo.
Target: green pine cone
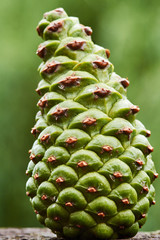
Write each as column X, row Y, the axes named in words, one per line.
column 90, row 170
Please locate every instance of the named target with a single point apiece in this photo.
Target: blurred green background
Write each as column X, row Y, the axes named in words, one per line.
column 130, row 29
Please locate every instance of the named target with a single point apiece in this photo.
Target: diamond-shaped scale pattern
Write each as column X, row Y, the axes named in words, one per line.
column 90, row 170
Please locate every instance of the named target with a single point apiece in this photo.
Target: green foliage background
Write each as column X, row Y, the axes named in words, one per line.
column 130, row 29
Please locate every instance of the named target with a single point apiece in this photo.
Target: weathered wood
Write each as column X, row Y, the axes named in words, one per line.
column 46, row 234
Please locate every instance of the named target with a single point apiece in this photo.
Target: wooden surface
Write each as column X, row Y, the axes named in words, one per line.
column 46, row 234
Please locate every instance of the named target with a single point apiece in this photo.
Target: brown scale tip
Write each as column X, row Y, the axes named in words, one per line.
column 121, row 227
column 44, row 197
column 125, row 130
column 100, row 63
column 59, row 10
column 92, row 189
column 117, row 175
column 51, row 159
column 124, row 82
column 150, row 149
column 108, row 53
column 34, row 131
column 39, row 31
column 155, row 175
column 107, row 148
column 38, row 91
column 32, row 156
column 70, row 81
column 36, row 211
column 68, row 204
column 36, row 176
column 71, row 140
column 76, row 45
column 88, row 31
column 60, row 180
column 55, row 26
column 43, row 102
column 89, row 121
column 101, row 214
column 139, row 162
column 29, row 151
column 56, row 218
column 60, row 112
column 145, row 189
column 45, row 138
column 51, row 67
column 82, row 164
column 125, row 201
column 28, row 194
column 41, row 51
column 143, row 215
column 153, row 202
column 101, row 92
column 27, row 172
column 135, row 109
column 148, row 133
